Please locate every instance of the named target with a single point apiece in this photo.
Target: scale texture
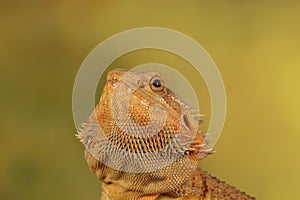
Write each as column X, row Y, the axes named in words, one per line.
column 142, row 141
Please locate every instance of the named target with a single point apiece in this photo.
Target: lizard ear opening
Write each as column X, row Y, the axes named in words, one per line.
column 156, row 84
column 186, row 121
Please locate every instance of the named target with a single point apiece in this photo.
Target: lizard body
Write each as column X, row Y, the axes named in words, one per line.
column 143, row 142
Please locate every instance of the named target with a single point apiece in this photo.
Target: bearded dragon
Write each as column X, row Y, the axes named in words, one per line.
column 142, row 141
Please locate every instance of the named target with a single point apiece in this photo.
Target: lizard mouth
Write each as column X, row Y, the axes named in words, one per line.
column 116, row 74
column 123, row 76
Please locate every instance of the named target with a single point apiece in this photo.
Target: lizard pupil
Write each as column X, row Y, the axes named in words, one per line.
column 156, row 83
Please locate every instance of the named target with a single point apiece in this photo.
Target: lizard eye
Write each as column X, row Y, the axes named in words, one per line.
column 156, row 84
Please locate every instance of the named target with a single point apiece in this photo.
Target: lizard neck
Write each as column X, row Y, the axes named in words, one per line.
column 165, row 183
column 168, row 180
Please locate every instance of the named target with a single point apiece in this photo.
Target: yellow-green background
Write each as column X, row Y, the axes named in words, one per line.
column 255, row 44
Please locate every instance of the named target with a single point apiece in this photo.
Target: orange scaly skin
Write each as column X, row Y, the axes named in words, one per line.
column 129, row 165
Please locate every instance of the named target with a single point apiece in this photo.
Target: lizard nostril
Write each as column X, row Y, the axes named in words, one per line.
column 114, row 81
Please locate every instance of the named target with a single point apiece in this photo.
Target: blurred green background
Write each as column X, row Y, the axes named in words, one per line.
column 255, row 44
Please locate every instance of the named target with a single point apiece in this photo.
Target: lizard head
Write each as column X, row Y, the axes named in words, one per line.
column 141, row 127
column 145, row 99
